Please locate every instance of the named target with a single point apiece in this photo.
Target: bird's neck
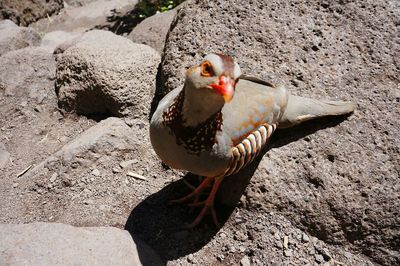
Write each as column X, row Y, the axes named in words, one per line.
column 198, row 106
column 200, row 137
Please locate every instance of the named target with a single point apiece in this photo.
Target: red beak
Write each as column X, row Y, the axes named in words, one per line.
column 225, row 87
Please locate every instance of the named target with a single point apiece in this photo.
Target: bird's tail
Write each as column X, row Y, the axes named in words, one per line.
column 301, row 109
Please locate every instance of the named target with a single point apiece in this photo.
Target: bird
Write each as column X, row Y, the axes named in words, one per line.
column 219, row 121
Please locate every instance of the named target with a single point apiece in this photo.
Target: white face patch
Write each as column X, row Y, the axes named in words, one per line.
column 216, row 62
column 222, row 63
column 237, row 72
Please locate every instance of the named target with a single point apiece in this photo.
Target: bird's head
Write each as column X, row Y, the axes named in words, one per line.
column 215, row 77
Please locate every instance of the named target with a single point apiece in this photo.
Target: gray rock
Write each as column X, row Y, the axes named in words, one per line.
column 61, row 244
column 340, row 183
column 28, row 73
column 108, row 135
column 102, row 73
column 77, row 3
column 153, row 30
column 305, row 238
column 84, row 18
column 95, row 172
column 245, row 261
column 25, row 12
column 4, row 156
column 52, row 39
column 319, row 258
column 288, row 253
column 13, row 37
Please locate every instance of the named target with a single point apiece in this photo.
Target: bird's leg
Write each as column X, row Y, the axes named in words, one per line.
column 195, row 193
column 190, row 186
column 208, row 204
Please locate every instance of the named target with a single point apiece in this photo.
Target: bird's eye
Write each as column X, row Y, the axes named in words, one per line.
column 207, row 69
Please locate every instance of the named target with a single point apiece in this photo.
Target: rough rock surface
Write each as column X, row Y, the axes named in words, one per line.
column 105, row 74
column 31, row 127
column 25, row 12
column 153, row 30
column 53, row 39
column 77, row 3
column 85, row 17
column 341, row 182
column 83, row 183
column 70, row 169
column 13, row 37
column 4, row 156
column 28, row 72
column 58, row 244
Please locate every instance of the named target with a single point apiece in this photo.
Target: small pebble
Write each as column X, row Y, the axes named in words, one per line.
column 348, row 255
column 130, row 122
column 37, row 108
column 116, row 170
column 15, row 185
column 285, row 242
column 53, row 177
column 190, row 258
column 240, row 236
column 245, row 261
column 88, row 202
column 305, row 238
column 288, row 253
column 239, row 220
column 220, row 257
column 95, row 172
column 325, row 253
column 319, row 258
column 125, row 164
column 278, row 244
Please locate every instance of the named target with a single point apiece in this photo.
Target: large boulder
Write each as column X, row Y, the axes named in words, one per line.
column 25, row 12
column 61, row 244
column 83, row 181
column 105, row 74
column 77, row 3
column 13, row 37
column 54, row 38
column 153, row 30
column 28, row 73
column 85, row 16
column 340, row 183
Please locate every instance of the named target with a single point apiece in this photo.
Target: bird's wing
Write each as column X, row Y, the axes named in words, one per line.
column 254, row 104
column 251, row 118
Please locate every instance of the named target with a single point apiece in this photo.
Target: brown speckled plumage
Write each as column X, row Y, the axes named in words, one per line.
column 194, row 139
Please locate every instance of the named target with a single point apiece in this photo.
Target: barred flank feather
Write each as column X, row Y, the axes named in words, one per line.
column 245, row 152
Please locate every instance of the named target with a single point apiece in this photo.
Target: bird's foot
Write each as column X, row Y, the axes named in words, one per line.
column 195, row 193
column 208, row 207
column 190, row 186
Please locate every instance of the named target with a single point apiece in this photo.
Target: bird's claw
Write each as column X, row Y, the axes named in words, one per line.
column 206, row 208
column 208, row 204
